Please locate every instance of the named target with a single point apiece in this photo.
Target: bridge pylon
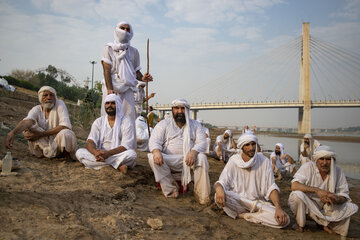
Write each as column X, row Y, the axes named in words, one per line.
column 304, row 123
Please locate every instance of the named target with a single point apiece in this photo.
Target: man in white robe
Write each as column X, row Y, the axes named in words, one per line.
column 320, row 190
column 47, row 128
column 121, row 65
column 307, row 148
column 142, row 134
column 110, row 139
column 247, row 183
column 177, row 145
column 224, row 146
column 207, row 135
column 282, row 163
column 140, row 98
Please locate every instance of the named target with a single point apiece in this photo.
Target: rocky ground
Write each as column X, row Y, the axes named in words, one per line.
column 60, row 199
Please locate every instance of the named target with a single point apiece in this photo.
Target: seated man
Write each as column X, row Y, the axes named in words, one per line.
column 142, row 134
column 110, row 139
column 307, row 148
column 282, row 163
column 224, row 146
column 247, row 183
column 178, row 145
column 207, row 135
column 47, row 128
column 320, row 189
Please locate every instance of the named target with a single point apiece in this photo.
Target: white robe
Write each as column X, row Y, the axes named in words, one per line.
column 126, row 137
column 310, row 203
column 309, row 151
column 168, row 138
column 142, row 135
column 250, row 189
column 139, row 96
column 52, row 145
column 227, row 149
column 282, row 165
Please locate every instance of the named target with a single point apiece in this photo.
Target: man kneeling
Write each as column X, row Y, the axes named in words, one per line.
column 47, row 128
column 177, row 145
column 110, row 139
column 247, row 183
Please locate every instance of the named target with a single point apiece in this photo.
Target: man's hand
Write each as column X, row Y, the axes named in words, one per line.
column 32, row 135
column 158, row 158
column 190, row 158
column 220, row 195
column 99, row 155
column 9, row 140
column 109, row 91
column 147, row 78
column 151, row 95
column 280, row 216
column 326, row 196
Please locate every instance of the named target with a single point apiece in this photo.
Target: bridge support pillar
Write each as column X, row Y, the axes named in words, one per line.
column 194, row 114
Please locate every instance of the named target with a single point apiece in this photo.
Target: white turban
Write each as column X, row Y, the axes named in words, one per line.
column 186, row 175
column 308, row 135
column 326, row 151
column 281, row 146
column 118, row 119
column 244, row 139
column 201, row 121
column 46, row 88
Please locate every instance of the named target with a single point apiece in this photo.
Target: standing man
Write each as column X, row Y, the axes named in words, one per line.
column 47, row 128
column 307, row 148
column 320, row 190
column 224, row 146
column 282, row 163
column 177, row 145
column 140, row 98
column 110, row 139
column 247, row 183
column 121, row 64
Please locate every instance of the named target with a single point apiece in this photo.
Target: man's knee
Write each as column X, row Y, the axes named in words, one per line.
column 202, row 161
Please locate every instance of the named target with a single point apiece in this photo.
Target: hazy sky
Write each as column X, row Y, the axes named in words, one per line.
column 193, row 43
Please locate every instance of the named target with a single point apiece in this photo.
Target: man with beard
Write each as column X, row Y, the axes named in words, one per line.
column 320, row 190
column 110, row 139
column 177, row 145
column 247, row 183
column 282, row 163
column 121, row 65
column 47, row 128
column 224, row 146
column 307, row 148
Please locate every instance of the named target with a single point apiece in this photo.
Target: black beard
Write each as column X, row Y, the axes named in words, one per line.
column 277, row 153
column 110, row 111
column 180, row 117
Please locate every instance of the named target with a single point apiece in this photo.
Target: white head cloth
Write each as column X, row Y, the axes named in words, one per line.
column 46, row 88
column 186, row 174
column 118, row 119
column 121, row 37
column 326, row 151
column 201, row 121
column 281, row 146
column 244, row 139
column 227, row 141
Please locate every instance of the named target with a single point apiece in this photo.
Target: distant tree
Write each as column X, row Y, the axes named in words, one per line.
column 52, row 71
column 26, row 75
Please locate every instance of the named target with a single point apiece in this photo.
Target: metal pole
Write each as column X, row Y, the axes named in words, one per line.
column 92, row 75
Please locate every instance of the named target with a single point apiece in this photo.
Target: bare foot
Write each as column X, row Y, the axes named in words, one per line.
column 297, row 228
column 174, row 195
column 328, row 230
column 123, row 169
column 241, row 215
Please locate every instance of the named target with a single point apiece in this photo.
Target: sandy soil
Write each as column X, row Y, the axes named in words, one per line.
column 59, row 199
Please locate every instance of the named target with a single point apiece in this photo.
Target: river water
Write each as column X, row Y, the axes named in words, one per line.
column 348, row 153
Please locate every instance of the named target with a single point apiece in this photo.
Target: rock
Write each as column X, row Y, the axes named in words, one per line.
column 110, row 221
column 155, row 223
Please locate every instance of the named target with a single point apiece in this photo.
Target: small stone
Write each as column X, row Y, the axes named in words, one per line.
column 155, row 223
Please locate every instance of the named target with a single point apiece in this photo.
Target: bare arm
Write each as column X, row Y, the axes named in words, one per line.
column 144, row 78
column 290, row 159
column 20, row 127
column 233, row 143
column 280, row 216
column 107, row 75
column 158, row 159
column 34, row 134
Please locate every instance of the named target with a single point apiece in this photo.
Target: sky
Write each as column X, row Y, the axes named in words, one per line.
column 193, row 45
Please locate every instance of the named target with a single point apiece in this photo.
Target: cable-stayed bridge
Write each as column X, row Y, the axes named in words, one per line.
column 281, row 79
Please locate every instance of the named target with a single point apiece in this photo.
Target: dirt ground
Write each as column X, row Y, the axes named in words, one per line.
column 60, row 199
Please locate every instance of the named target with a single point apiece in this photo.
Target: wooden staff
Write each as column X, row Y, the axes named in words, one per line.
column 147, row 87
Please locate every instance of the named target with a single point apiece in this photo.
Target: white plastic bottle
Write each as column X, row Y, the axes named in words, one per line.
column 7, row 164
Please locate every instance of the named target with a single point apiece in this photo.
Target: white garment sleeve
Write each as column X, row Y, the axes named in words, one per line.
column 136, row 60
column 342, row 188
column 200, row 139
column 302, row 175
column 269, row 179
column 106, row 56
column 64, row 119
column 158, row 135
column 127, row 133
column 33, row 114
column 95, row 132
column 226, row 177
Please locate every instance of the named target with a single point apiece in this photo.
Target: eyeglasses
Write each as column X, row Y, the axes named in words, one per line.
column 125, row 28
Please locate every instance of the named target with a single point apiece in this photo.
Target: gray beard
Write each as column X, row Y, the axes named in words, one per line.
column 48, row 106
